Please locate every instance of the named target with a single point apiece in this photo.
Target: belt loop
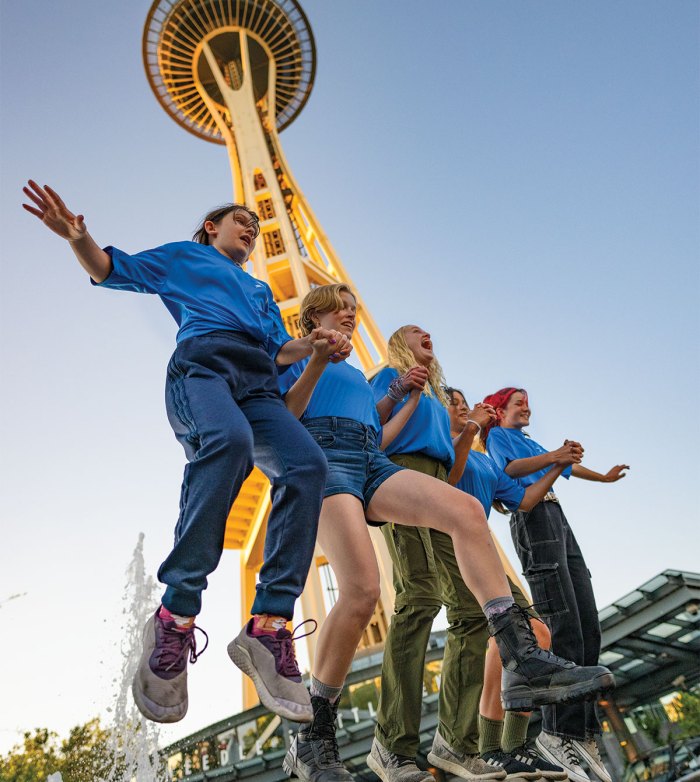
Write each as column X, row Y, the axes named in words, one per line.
column 334, row 424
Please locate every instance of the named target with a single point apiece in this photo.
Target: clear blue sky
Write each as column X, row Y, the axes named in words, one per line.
column 520, row 178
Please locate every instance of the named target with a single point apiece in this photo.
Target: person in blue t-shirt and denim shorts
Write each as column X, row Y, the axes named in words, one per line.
column 224, row 405
column 338, row 407
column 558, row 577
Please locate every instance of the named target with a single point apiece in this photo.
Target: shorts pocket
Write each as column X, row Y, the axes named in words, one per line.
column 323, row 439
column 547, row 593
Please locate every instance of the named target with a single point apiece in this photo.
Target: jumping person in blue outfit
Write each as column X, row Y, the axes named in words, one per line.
column 337, row 406
column 224, row 405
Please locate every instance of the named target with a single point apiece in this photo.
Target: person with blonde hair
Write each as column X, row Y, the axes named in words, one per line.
column 337, row 406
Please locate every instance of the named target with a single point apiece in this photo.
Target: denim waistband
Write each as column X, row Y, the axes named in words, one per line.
column 343, row 426
column 238, row 336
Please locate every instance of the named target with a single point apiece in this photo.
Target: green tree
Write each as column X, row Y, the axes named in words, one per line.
column 33, row 760
column 85, row 756
column 687, row 704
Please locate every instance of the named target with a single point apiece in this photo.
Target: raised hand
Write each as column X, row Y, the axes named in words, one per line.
column 415, row 378
column 570, row 453
column 482, row 415
column 615, row 473
column 330, row 344
column 53, row 213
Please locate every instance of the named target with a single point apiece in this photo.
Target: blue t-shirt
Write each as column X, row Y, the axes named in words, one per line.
column 342, row 391
column 482, row 479
column 427, row 431
column 507, row 445
column 203, row 290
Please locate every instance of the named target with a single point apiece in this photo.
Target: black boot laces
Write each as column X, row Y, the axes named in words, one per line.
column 322, row 733
column 532, row 646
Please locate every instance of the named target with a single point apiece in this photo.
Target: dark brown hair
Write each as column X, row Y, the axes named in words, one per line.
column 216, row 215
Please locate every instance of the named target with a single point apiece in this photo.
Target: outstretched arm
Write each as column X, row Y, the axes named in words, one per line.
column 393, row 426
column 296, row 349
column 611, row 476
column 56, row 216
column 298, row 397
column 480, row 416
column 569, row 453
column 536, row 491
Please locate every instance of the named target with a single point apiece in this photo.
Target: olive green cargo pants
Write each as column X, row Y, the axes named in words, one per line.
column 426, row 577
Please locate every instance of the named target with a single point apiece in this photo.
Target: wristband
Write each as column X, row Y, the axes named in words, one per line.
column 397, row 390
column 478, row 426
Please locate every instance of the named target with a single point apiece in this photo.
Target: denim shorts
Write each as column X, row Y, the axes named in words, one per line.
column 355, row 464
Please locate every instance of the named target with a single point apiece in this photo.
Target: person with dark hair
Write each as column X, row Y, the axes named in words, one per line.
column 224, row 405
column 503, row 736
column 342, row 413
column 559, row 579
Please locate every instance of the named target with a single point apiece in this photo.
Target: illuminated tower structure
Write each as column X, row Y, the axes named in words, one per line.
column 236, row 72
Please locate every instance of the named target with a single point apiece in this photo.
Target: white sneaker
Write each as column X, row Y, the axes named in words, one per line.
column 588, row 751
column 561, row 750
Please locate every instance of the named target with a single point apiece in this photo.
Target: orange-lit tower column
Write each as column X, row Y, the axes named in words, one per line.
column 236, row 72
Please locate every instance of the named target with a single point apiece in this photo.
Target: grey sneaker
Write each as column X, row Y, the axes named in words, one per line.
column 589, row 753
column 390, row 767
column 160, row 684
column 561, row 750
column 443, row 756
column 270, row 662
column 314, row 755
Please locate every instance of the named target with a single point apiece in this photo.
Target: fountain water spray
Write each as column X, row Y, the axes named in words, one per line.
column 134, row 739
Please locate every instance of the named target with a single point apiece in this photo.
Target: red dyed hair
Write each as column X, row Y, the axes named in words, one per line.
column 498, row 401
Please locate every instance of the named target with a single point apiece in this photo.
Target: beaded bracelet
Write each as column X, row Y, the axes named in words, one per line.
column 397, row 390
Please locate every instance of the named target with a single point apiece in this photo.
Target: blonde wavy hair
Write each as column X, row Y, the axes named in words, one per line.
column 325, row 298
column 401, row 358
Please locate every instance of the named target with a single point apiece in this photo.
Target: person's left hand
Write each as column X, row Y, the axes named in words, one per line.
column 615, row 473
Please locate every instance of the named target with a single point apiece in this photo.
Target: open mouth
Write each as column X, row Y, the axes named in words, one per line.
column 246, row 240
column 426, row 344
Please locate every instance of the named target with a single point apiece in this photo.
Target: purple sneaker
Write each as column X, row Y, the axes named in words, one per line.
column 160, row 683
column 270, row 662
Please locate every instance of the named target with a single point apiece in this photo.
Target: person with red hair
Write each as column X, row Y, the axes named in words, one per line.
column 557, row 574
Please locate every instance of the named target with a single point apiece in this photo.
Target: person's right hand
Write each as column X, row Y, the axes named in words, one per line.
column 53, row 213
column 482, row 415
column 330, row 344
column 570, row 453
column 415, row 378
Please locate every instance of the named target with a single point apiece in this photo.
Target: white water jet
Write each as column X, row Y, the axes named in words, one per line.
column 133, row 738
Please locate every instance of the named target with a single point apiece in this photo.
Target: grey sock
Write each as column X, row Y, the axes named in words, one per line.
column 325, row 690
column 498, row 605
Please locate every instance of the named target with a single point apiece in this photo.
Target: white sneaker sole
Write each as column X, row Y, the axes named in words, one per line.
column 296, row 712
column 460, row 771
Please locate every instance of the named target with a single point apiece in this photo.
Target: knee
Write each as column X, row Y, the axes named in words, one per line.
column 542, row 634
column 231, row 443
column 361, row 600
column 467, row 516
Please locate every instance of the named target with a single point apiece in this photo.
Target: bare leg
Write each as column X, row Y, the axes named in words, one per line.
column 410, row 498
column 345, row 540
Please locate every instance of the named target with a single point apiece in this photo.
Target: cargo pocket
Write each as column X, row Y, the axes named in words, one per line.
column 547, row 592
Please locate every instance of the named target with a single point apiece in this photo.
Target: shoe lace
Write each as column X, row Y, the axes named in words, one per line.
column 570, row 755
column 533, row 645
column 284, row 648
column 322, row 730
column 177, row 644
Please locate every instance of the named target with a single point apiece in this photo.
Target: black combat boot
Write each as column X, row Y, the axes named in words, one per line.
column 314, row 756
column 533, row 676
